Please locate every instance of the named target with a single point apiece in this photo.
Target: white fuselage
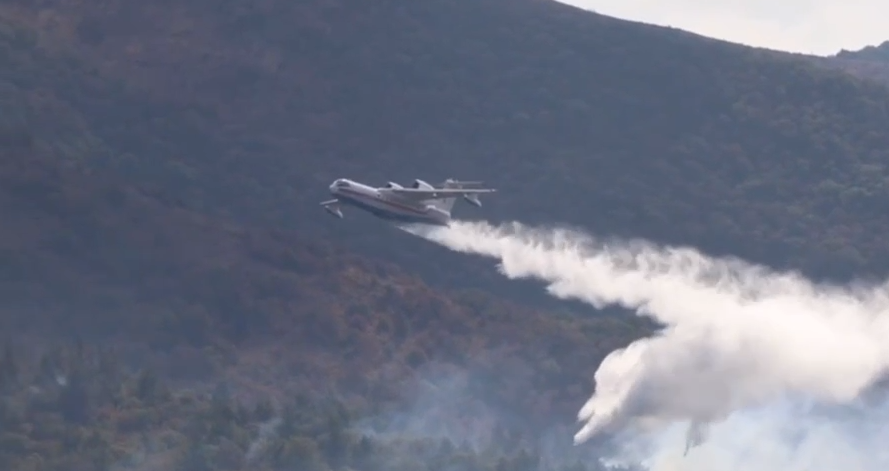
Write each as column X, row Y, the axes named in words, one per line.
column 387, row 205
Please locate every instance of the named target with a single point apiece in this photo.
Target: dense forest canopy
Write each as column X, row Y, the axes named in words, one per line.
column 621, row 128
column 102, row 279
column 877, row 53
column 125, row 313
column 161, row 169
column 869, row 63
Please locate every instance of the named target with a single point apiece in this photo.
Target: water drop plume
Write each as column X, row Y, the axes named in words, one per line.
column 736, row 335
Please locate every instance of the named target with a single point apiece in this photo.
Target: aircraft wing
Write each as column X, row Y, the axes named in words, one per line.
column 437, row 193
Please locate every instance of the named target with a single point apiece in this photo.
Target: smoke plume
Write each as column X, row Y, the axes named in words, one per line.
column 738, row 338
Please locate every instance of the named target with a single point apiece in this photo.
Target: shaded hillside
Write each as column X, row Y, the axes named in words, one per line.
column 199, row 300
column 578, row 118
column 269, row 312
column 878, row 53
column 870, row 63
column 80, row 409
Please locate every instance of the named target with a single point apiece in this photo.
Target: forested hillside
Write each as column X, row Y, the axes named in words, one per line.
column 878, row 53
column 101, row 279
column 161, row 169
column 869, row 63
column 578, row 118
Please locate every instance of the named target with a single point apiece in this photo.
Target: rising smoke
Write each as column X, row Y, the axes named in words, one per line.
column 742, row 349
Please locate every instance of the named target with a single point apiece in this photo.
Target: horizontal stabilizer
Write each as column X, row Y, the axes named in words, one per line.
column 451, row 183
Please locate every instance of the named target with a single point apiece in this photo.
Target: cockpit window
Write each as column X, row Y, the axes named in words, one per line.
column 341, row 183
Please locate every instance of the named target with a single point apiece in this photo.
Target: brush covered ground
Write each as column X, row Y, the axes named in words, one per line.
column 161, row 168
column 200, row 305
column 624, row 129
column 870, row 62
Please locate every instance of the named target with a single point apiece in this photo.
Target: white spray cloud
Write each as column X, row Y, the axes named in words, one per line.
column 787, row 435
column 268, row 430
column 737, row 336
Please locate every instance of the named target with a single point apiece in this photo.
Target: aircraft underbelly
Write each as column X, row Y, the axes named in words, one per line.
column 385, row 210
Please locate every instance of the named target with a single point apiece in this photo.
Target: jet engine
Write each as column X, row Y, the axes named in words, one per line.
column 421, row 184
column 393, row 185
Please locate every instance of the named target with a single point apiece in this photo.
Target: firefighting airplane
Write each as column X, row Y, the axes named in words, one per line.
column 421, row 203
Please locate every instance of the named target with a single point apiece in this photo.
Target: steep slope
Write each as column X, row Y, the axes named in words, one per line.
column 878, row 53
column 201, row 299
column 871, row 62
column 248, row 109
column 578, row 118
column 269, row 316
